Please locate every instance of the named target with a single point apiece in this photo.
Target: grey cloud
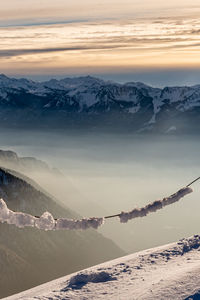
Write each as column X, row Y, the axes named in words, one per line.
column 104, row 44
column 19, row 52
column 28, row 23
column 23, row 37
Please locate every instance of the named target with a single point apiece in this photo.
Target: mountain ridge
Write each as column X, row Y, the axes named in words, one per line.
column 94, row 103
column 29, row 256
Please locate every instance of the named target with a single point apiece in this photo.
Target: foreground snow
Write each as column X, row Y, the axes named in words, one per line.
column 168, row 272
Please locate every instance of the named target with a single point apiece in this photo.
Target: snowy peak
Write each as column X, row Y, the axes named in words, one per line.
column 145, row 107
column 84, row 80
column 3, row 77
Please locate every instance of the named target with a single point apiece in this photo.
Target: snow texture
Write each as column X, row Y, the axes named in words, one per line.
column 4, row 211
column 165, row 273
column 47, row 221
column 84, row 278
column 21, row 219
column 18, row 219
column 154, row 206
column 79, row 224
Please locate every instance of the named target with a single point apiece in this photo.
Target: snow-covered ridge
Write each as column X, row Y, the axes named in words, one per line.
column 93, row 89
column 167, row 272
column 143, row 104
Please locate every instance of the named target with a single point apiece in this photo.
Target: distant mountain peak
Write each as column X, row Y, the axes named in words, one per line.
column 93, row 102
column 2, row 76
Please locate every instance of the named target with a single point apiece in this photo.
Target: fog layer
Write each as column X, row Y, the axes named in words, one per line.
column 106, row 174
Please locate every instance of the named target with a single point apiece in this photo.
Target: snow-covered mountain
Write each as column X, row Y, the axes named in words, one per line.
column 92, row 102
column 165, row 273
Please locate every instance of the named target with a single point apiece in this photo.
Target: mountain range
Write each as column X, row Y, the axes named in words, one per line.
column 89, row 102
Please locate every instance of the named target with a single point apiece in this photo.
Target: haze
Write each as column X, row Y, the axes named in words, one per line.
column 106, row 174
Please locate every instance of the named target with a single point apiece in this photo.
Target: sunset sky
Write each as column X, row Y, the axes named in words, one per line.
column 151, row 41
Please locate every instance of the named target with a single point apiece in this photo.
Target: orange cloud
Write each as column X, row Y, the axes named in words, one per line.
column 152, row 42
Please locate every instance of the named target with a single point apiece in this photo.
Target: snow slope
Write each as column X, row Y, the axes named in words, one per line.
column 168, row 272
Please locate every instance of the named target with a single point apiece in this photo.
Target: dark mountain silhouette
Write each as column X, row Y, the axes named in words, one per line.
column 29, row 257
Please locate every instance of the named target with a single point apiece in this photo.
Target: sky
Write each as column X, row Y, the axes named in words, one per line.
column 156, row 42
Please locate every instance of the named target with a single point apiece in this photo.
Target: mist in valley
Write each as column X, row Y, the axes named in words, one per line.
column 102, row 174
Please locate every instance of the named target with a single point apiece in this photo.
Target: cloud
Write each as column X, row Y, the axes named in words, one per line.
column 20, row 52
column 136, row 44
column 15, row 23
column 122, row 43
